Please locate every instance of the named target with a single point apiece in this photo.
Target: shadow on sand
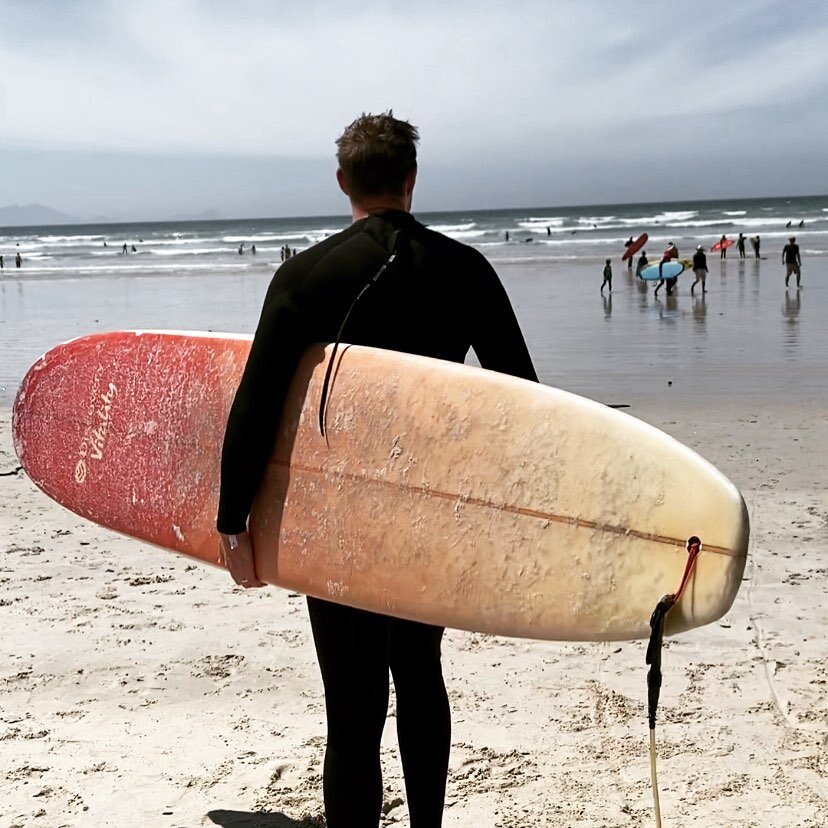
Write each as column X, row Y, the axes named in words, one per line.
column 263, row 819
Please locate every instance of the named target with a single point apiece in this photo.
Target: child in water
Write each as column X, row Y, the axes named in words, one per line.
column 607, row 276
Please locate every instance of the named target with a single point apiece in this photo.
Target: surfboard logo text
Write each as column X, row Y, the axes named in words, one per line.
column 94, row 441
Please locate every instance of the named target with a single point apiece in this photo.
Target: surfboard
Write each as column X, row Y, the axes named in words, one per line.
column 719, row 245
column 635, row 247
column 442, row 493
column 669, row 270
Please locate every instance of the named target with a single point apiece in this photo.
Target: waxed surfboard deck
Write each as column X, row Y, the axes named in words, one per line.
column 443, row 493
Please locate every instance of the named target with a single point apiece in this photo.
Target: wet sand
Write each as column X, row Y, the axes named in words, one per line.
column 748, row 336
column 142, row 689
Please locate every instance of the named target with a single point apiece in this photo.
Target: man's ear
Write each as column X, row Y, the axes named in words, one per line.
column 410, row 180
column 340, row 179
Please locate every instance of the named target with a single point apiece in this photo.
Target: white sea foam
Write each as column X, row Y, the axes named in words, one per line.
column 81, row 238
column 310, row 233
column 192, row 251
column 541, row 228
column 465, row 234
column 194, row 240
column 452, row 228
column 70, row 271
column 734, row 212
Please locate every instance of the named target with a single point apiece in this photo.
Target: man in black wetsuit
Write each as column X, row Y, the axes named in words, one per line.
column 437, row 298
column 792, row 261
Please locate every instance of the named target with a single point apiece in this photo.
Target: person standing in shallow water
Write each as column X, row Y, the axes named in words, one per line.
column 792, row 261
column 437, row 298
column 740, row 245
column 699, row 269
column 627, row 245
column 755, row 242
column 607, row 276
column 723, row 248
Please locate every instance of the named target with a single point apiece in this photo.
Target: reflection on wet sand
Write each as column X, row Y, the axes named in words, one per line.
column 790, row 326
column 700, row 307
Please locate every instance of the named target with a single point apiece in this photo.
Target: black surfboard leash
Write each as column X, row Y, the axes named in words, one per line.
column 653, row 658
column 323, row 400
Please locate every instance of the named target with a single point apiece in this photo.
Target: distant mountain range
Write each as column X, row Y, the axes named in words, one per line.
column 36, row 215
column 22, row 215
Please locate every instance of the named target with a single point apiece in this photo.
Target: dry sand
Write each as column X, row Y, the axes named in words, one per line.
column 140, row 689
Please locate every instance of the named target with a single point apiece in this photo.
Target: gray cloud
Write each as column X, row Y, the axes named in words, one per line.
column 521, row 92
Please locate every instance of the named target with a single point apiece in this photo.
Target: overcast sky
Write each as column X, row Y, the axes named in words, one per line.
column 158, row 108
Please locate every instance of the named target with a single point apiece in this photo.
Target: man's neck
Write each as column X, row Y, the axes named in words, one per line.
column 374, row 207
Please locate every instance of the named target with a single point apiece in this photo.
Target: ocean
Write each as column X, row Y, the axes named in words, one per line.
column 542, row 234
column 747, row 336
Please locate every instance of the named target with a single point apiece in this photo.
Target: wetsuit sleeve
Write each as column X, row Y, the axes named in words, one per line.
column 496, row 336
column 256, row 411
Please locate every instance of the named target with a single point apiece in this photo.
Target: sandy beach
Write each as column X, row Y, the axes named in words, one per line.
column 140, row 689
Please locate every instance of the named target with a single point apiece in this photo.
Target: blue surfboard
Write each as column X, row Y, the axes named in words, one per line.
column 668, row 271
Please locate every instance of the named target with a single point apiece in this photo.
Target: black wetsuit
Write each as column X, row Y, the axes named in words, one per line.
column 439, row 298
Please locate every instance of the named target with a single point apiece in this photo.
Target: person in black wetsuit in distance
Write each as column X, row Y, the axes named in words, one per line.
column 642, row 263
column 699, row 269
column 740, row 245
column 755, row 242
column 607, row 275
column 437, row 298
column 627, row 245
column 792, row 261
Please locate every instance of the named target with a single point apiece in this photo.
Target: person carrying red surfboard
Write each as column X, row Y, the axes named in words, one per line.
column 670, row 253
column 389, row 282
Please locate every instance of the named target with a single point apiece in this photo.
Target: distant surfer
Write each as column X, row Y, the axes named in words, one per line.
column 2, row 262
column 124, row 248
column 792, row 260
column 548, row 230
column 723, row 247
column 241, row 248
column 699, row 269
column 642, row 263
column 740, row 245
column 607, row 276
column 802, row 223
column 627, row 245
column 506, row 235
column 253, row 249
column 421, row 293
column 670, row 253
column 755, row 242
column 18, row 259
column 788, row 224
